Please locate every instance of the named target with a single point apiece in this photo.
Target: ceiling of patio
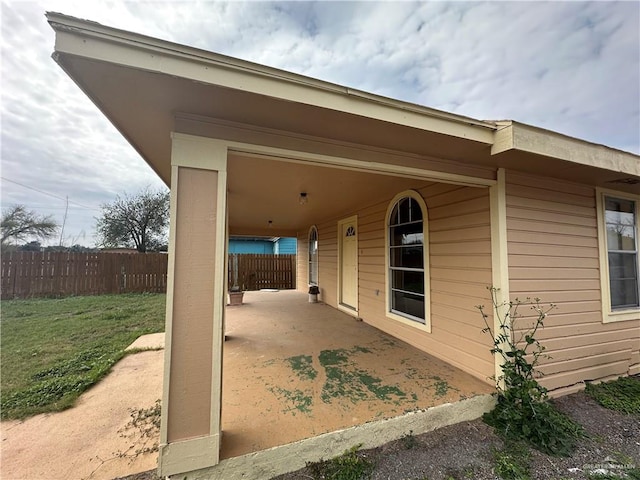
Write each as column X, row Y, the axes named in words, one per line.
column 260, row 190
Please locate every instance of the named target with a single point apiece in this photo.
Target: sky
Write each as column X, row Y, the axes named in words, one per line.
column 571, row 67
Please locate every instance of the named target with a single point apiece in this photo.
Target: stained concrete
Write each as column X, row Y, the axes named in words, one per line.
column 293, row 456
column 293, row 370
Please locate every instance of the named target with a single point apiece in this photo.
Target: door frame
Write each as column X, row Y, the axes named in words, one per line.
column 351, row 310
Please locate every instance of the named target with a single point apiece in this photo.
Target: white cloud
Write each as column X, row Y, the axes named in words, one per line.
column 572, row 67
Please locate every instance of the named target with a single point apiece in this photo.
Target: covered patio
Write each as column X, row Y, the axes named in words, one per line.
column 253, row 151
column 294, row 370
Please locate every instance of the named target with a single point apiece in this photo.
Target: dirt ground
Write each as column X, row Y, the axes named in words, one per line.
column 464, row 451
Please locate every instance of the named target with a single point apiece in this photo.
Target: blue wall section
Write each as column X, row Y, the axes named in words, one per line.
column 286, row 246
column 263, row 246
column 251, row 246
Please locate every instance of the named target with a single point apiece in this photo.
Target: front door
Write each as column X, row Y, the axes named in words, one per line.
column 348, row 285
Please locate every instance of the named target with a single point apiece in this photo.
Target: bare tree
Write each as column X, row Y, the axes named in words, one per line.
column 139, row 221
column 19, row 224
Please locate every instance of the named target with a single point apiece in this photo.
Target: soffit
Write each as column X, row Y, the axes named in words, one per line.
column 260, row 190
column 566, row 170
column 142, row 105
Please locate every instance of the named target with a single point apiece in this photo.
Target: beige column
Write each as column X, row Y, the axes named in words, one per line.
column 499, row 256
column 190, row 427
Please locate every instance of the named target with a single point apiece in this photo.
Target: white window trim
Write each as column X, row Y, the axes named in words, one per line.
column 317, row 263
column 609, row 315
column 426, row 326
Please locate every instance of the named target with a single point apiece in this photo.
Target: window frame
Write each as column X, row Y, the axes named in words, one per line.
column 312, row 261
column 609, row 314
column 390, row 313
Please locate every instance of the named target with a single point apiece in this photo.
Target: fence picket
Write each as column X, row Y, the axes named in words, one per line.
column 44, row 274
column 256, row 271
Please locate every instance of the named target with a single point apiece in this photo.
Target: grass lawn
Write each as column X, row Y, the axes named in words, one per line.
column 52, row 350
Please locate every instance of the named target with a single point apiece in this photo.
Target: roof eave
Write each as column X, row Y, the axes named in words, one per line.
column 124, row 48
column 512, row 135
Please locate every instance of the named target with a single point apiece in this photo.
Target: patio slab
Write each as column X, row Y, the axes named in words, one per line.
column 293, row 370
column 152, row 341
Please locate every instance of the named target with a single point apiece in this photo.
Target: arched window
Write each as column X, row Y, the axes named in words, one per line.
column 313, row 256
column 407, row 259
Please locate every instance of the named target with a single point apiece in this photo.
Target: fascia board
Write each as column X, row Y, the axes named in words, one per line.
column 512, row 135
column 94, row 41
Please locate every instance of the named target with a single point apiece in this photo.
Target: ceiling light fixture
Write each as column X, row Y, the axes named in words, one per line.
column 303, row 199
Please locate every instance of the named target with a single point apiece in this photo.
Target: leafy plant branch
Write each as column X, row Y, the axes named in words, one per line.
column 517, row 370
column 523, row 410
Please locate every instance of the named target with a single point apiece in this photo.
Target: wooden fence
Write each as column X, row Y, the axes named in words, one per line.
column 58, row 274
column 254, row 272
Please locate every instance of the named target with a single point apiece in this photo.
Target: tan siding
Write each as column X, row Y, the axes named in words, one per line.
column 463, row 234
column 302, row 261
column 553, row 255
column 328, row 262
column 460, row 245
column 460, row 272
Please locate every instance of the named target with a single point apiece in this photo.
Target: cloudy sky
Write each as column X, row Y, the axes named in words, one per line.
column 572, row 67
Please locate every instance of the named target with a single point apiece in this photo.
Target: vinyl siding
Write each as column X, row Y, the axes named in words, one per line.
column 553, row 255
column 328, row 262
column 302, row 260
column 460, row 271
column 285, row 246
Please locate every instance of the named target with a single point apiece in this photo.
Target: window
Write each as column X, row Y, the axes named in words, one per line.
column 618, row 226
column 407, row 260
column 313, row 256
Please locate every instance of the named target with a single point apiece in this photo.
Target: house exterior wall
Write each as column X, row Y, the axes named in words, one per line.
column 302, row 261
column 460, row 271
column 552, row 240
column 285, row 246
column 250, row 246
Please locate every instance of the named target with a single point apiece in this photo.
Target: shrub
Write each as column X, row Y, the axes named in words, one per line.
column 523, row 411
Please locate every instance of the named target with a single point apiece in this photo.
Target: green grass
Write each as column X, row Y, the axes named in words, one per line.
column 622, row 395
column 52, row 350
column 513, row 462
column 348, row 466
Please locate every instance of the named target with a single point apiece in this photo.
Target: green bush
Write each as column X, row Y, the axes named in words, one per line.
column 523, row 411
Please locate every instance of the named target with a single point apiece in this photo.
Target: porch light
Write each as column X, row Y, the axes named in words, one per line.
column 303, row 199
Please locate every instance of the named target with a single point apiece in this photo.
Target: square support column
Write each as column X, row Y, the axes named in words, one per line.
column 499, row 258
column 191, row 400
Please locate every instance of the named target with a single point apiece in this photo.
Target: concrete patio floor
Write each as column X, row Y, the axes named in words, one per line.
column 293, row 370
